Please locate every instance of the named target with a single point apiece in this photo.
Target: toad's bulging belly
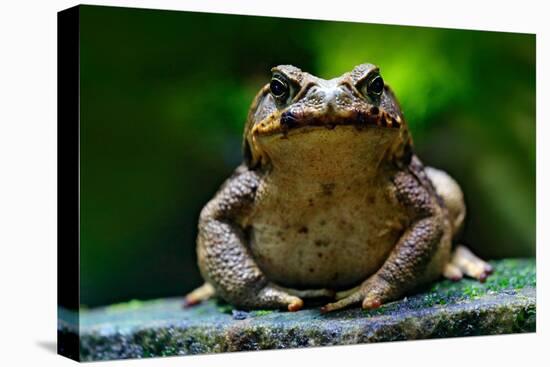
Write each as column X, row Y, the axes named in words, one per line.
column 331, row 235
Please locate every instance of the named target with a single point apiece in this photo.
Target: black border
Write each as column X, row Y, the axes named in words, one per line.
column 68, row 208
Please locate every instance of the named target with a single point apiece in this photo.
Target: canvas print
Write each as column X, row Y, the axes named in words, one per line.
column 232, row 183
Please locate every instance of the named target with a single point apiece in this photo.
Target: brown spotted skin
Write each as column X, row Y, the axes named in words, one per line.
column 224, row 259
column 331, row 198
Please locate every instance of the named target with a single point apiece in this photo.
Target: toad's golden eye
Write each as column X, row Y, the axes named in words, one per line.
column 375, row 85
column 279, row 87
column 372, row 86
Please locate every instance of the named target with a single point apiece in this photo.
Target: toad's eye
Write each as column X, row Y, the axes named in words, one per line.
column 279, row 88
column 376, row 85
column 372, row 86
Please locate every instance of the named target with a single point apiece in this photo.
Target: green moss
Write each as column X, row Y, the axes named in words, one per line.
column 525, row 319
column 133, row 304
column 509, row 274
column 224, row 307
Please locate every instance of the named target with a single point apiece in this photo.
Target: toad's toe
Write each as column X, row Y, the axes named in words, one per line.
column 470, row 264
column 203, row 293
column 343, row 303
column 452, row 272
column 371, row 303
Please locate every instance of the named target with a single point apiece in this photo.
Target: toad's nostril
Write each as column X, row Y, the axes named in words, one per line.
column 288, row 119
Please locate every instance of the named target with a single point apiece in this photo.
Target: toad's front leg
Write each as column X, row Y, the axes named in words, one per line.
column 412, row 256
column 225, row 260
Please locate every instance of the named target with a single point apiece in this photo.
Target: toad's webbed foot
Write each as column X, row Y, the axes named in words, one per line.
column 286, row 298
column 464, row 262
column 272, row 296
column 371, row 294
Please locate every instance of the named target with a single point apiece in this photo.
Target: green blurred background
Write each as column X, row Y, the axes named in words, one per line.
column 164, row 96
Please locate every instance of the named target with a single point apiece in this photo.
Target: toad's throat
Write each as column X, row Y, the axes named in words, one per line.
column 315, row 153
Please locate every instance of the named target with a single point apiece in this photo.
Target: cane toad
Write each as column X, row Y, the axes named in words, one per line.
column 331, row 201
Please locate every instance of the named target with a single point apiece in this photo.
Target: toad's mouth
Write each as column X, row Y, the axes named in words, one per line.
column 289, row 121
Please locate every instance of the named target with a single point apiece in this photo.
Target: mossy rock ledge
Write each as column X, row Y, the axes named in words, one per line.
column 505, row 303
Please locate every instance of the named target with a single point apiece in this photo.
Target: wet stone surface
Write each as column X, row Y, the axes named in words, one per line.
column 506, row 303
